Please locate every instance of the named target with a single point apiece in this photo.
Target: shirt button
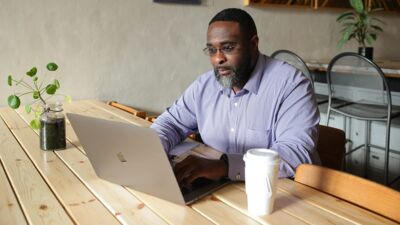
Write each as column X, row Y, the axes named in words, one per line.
column 237, row 176
column 232, row 130
column 236, row 104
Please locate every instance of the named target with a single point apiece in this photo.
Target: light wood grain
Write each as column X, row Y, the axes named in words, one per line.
column 305, row 211
column 331, row 204
column 374, row 196
column 37, row 201
column 123, row 205
column 236, row 198
column 10, row 211
column 81, row 204
column 172, row 213
column 217, row 211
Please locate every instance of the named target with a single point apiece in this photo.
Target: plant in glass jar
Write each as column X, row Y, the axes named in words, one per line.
column 48, row 117
column 360, row 25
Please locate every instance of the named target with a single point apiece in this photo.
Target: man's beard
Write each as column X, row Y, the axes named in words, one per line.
column 240, row 75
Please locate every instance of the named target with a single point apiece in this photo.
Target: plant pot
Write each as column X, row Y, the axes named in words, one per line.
column 367, row 52
column 52, row 128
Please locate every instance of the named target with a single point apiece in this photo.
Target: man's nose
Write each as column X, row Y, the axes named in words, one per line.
column 220, row 57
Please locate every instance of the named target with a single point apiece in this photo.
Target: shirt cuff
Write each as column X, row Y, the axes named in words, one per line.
column 236, row 167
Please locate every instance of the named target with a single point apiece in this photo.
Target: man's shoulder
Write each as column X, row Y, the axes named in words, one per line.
column 279, row 70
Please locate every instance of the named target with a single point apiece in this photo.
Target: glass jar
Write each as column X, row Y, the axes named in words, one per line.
column 52, row 127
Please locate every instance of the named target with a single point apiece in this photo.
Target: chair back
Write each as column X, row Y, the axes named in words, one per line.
column 294, row 60
column 356, row 79
column 367, row 194
column 331, row 147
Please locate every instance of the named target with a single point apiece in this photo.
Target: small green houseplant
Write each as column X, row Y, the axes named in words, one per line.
column 358, row 24
column 48, row 117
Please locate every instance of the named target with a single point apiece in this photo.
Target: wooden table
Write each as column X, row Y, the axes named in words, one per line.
column 391, row 68
column 61, row 187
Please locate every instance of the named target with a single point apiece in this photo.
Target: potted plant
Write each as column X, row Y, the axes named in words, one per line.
column 48, row 117
column 358, row 24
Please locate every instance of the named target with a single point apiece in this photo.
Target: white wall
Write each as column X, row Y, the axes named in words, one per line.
column 143, row 53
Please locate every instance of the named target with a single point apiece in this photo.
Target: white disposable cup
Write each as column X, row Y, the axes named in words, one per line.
column 261, row 172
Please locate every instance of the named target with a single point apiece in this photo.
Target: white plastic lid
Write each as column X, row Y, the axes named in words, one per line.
column 261, row 155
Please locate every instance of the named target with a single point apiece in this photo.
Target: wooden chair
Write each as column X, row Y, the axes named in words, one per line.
column 367, row 194
column 128, row 109
column 331, row 147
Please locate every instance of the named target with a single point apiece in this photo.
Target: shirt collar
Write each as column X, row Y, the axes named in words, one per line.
column 253, row 84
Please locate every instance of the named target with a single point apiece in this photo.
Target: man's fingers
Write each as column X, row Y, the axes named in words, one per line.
column 183, row 173
column 187, row 161
column 187, row 181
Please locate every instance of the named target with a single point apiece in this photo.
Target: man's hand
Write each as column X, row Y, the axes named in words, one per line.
column 194, row 167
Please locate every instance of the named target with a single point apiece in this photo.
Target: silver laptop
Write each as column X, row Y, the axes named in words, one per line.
column 133, row 156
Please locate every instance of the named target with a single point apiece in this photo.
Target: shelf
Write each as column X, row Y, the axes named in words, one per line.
column 386, row 5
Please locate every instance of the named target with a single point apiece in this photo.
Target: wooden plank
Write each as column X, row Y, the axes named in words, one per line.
column 117, row 112
column 332, row 204
column 234, row 197
column 80, row 203
column 10, row 211
column 301, row 209
column 221, row 213
column 38, row 202
column 172, row 213
column 123, row 205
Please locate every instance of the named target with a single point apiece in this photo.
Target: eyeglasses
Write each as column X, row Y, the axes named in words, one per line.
column 228, row 48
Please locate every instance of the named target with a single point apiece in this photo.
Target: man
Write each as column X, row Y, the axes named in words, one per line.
column 249, row 100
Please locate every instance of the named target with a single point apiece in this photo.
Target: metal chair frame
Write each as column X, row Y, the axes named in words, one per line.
column 368, row 120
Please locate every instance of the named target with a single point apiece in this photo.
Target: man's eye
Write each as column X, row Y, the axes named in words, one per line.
column 227, row 48
column 212, row 50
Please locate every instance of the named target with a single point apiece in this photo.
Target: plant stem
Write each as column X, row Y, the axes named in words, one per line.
column 25, row 93
column 24, row 84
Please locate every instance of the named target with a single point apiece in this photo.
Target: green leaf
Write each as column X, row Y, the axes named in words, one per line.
column 57, row 83
column 341, row 43
column 28, row 109
column 68, row 99
column 348, row 32
column 36, row 94
column 38, row 113
column 51, row 89
column 9, row 80
column 35, row 78
column 35, row 124
column 369, row 38
column 52, row 66
column 377, row 28
column 344, row 16
column 32, row 72
column 13, row 101
column 357, row 6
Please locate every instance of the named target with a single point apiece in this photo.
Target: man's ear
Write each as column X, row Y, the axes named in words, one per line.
column 254, row 42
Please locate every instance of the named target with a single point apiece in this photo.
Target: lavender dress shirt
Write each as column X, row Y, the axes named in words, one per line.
column 276, row 109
